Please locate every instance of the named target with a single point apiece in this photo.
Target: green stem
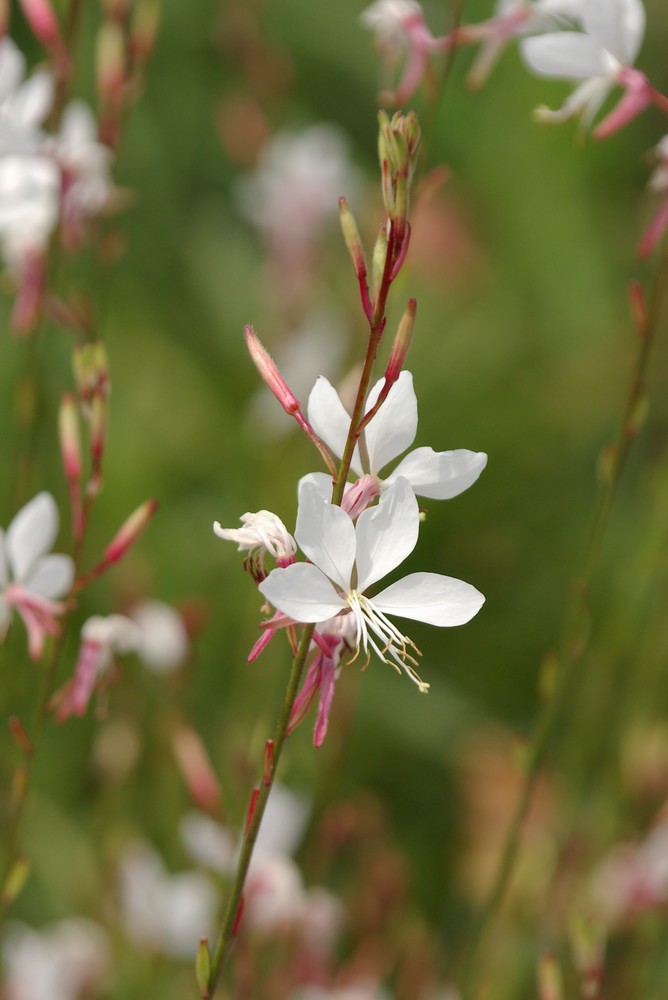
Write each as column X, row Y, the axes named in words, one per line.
column 230, row 919
column 570, row 646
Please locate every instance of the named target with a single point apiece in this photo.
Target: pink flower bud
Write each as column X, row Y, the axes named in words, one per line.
column 251, row 809
column 70, row 444
column 402, row 342
column 129, row 532
column 269, row 371
column 268, row 761
column 110, row 61
column 144, row 29
column 352, row 237
column 43, row 22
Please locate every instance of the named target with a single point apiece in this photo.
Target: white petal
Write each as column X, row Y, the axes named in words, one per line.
column 326, row 535
column 31, row 534
column 302, row 592
column 32, row 102
column 4, row 566
column 12, row 67
column 50, row 576
column 386, row 534
column 565, row 55
column 440, row 475
column 329, row 419
column 431, row 598
column 394, row 427
column 617, row 25
column 320, row 481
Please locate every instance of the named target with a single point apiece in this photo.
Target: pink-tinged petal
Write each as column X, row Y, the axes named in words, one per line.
column 565, row 55
column 617, row 25
column 386, row 534
column 31, row 534
column 329, row 419
column 639, row 95
column 431, row 598
column 302, row 592
column 51, row 576
column 326, row 535
column 394, row 427
column 440, row 475
column 4, row 565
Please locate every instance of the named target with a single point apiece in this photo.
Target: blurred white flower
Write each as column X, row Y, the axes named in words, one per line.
column 85, row 169
column 101, row 637
column 31, row 580
column 167, row 913
column 64, row 961
column 633, row 878
column 274, row 893
column 601, row 57
column 163, row 642
column 399, row 25
column 285, row 817
column 293, row 193
column 208, row 843
column 24, row 104
column 363, row 990
column 513, row 19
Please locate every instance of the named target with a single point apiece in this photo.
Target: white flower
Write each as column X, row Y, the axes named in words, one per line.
column 207, row 842
column 274, row 892
column 348, row 558
column 61, row 962
column 170, row 913
column 400, row 24
column 601, row 58
column 437, row 475
column 388, row 19
column 163, row 641
column 30, row 580
column 23, row 105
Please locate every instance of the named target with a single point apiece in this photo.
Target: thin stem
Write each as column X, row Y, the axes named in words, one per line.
column 232, row 911
column 570, row 648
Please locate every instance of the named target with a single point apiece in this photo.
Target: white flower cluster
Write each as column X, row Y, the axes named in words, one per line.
column 45, row 179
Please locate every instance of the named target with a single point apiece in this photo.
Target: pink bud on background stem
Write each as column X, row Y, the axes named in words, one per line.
column 196, row 769
column 638, row 307
column 70, row 449
column 123, row 540
column 20, row 736
column 43, row 22
column 251, row 808
column 144, row 29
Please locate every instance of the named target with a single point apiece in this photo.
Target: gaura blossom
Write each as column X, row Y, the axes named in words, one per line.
column 163, row 640
column 513, row 19
column 658, row 184
column 346, row 559
column 262, row 533
column 101, row 637
column 31, row 581
column 436, row 475
column 63, row 961
column 602, row 57
column 399, row 26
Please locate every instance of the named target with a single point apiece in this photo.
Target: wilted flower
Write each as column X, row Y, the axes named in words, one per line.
column 64, row 961
column 347, row 559
column 31, row 581
column 602, row 58
column 262, row 533
column 437, row 475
